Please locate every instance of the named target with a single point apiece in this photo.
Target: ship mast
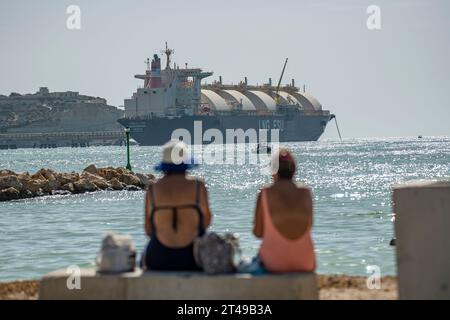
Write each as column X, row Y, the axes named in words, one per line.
column 168, row 52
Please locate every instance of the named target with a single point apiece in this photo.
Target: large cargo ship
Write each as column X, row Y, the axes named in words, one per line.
column 175, row 98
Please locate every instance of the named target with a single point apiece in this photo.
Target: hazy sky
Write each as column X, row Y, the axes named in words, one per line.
column 389, row 82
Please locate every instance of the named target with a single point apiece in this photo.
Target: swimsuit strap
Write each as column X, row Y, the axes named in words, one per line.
column 174, row 219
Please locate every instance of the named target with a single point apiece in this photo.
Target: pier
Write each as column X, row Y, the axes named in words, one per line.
column 61, row 139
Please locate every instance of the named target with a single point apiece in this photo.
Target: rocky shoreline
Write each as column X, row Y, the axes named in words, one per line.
column 15, row 186
column 331, row 287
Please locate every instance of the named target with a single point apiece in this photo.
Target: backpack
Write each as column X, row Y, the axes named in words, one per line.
column 215, row 253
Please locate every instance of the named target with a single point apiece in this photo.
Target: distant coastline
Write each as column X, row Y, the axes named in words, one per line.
column 35, row 120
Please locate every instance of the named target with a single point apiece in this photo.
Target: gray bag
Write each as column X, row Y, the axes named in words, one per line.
column 117, row 254
column 216, row 253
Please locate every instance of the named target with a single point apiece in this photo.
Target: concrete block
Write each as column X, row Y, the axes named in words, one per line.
column 199, row 286
column 54, row 286
column 422, row 228
column 180, row 286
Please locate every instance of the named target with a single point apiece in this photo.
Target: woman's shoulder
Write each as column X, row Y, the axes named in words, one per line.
column 195, row 179
column 151, row 184
column 303, row 190
column 295, row 187
column 266, row 186
column 302, row 186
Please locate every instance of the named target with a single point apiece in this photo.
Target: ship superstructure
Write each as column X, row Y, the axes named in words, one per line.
column 166, row 92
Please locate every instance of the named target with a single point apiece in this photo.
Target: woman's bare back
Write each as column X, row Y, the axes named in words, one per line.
column 174, row 191
column 290, row 207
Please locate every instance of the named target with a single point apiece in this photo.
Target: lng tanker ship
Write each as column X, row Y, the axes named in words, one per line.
column 174, row 98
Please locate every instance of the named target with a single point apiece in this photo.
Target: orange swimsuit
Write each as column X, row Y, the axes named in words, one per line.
column 279, row 254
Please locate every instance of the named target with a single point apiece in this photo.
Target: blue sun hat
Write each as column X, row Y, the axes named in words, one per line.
column 176, row 158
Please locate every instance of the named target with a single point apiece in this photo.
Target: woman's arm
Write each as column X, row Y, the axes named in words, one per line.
column 204, row 201
column 148, row 206
column 258, row 220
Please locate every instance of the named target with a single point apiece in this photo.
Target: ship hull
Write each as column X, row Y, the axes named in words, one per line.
column 157, row 131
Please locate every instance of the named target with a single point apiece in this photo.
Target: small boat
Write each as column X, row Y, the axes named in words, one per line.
column 419, row 137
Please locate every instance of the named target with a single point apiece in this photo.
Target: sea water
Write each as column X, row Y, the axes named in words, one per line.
column 351, row 182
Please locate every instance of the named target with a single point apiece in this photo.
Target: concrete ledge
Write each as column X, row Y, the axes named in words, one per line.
column 179, row 286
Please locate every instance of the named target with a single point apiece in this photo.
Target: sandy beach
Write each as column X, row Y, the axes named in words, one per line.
column 340, row 287
column 332, row 287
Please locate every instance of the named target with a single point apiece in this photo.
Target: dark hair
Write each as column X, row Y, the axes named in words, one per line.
column 286, row 164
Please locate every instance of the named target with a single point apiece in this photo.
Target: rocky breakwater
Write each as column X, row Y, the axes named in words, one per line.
column 14, row 186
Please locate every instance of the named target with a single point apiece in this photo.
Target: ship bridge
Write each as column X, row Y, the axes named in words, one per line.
column 197, row 73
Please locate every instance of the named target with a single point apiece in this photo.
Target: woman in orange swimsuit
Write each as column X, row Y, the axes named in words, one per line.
column 284, row 219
